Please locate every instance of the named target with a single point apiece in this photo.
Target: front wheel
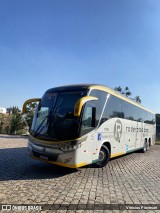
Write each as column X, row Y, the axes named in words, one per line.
column 104, row 155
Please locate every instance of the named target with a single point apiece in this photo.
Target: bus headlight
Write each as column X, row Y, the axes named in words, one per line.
column 67, row 147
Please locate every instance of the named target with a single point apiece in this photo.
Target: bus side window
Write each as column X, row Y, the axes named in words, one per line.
column 89, row 119
column 101, row 95
column 113, row 109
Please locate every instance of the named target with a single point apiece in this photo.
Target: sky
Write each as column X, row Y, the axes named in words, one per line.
column 49, row 43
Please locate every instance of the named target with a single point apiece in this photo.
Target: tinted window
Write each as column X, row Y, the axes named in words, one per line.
column 150, row 118
column 87, row 119
column 100, row 103
column 119, row 108
column 113, row 108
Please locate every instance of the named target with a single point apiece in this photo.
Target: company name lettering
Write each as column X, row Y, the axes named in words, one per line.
column 133, row 129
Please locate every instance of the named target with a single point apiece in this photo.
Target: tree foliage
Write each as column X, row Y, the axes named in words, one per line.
column 17, row 123
column 30, row 113
column 13, row 110
column 127, row 93
column 1, row 123
column 14, row 122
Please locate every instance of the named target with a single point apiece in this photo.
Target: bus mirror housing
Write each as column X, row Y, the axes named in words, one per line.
column 28, row 102
column 79, row 104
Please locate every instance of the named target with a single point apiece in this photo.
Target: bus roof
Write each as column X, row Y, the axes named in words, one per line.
column 98, row 87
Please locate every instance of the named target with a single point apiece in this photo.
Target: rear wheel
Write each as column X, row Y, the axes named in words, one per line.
column 104, row 155
column 147, row 145
column 144, row 149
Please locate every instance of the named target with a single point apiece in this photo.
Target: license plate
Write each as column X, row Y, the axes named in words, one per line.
column 43, row 157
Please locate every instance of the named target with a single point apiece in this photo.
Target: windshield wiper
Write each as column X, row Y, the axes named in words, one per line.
column 41, row 126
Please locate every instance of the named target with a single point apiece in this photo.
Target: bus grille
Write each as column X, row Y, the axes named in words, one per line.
column 50, row 157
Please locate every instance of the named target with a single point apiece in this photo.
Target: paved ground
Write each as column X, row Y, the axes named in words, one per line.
column 131, row 179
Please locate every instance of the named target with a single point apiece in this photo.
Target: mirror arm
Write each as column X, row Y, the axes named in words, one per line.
column 28, row 102
column 79, row 104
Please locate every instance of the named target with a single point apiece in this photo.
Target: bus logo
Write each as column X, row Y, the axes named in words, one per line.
column 118, row 130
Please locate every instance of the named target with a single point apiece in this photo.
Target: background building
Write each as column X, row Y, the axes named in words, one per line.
column 3, row 110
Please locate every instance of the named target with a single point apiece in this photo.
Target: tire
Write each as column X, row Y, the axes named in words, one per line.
column 104, row 156
column 147, row 145
column 144, row 149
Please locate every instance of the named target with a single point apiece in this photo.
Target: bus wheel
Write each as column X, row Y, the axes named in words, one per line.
column 147, row 145
column 144, row 149
column 103, row 157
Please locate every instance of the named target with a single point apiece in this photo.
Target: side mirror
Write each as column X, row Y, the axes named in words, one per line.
column 28, row 102
column 79, row 104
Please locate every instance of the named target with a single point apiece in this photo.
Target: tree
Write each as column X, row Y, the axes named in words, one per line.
column 16, row 124
column 119, row 89
column 127, row 93
column 30, row 113
column 137, row 99
column 13, row 110
column 1, row 123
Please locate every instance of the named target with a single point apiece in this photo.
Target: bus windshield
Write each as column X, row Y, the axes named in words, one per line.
column 54, row 117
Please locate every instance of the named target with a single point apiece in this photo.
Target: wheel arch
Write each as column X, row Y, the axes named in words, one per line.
column 104, row 154
column 107, row 144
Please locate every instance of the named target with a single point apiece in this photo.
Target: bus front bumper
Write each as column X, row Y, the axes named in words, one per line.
column 53, row 156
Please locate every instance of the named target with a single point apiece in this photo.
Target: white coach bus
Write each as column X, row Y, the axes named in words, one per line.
column 77, row 125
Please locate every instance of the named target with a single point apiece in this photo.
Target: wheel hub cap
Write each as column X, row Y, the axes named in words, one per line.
column 101, row 156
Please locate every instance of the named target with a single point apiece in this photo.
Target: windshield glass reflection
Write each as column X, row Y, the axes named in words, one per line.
column 54, row 117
